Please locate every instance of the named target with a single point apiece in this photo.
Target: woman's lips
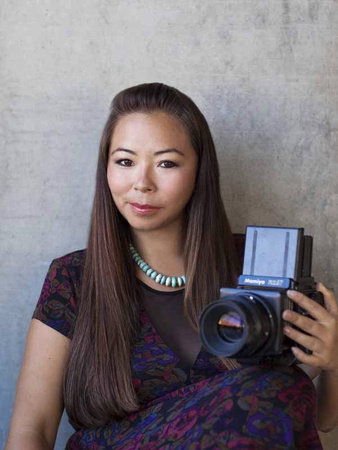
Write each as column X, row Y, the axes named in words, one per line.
column 143, row 209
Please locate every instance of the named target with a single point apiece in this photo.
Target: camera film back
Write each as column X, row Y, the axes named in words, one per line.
column 273, row 251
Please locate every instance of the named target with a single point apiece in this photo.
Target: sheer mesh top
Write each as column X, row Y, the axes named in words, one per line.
column 165, row 310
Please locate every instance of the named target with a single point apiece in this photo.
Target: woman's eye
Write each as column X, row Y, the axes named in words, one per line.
column 124, row 162
column 167, row 164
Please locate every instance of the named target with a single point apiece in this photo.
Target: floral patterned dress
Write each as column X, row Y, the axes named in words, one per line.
column 252, row 407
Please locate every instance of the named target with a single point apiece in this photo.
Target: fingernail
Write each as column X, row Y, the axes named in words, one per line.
column 291, row 294
column 321, row 286
column 286, row 314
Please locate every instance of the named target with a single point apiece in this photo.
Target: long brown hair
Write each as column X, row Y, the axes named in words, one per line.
column 98, row 383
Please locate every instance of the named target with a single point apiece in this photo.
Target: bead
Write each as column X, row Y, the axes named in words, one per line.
column 168, row 281
column 137, row 259
column 179, row 281
column 153, row 275
column 183, row 278
column 173, row 281
column 142, row 264
column 163, row 279
column 158, row 278
column 149, row 271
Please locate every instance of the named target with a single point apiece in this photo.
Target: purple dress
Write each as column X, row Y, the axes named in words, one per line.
column 256, row 407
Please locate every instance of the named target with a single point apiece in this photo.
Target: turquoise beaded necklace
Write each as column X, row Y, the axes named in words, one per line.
column 159, row 278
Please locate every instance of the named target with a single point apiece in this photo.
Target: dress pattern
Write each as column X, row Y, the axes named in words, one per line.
column 251, row 407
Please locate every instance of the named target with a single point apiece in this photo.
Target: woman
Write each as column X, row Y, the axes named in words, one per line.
column 119, row 321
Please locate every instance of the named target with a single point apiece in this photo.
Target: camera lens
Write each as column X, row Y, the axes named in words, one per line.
column 239, row 325
column 230, row 326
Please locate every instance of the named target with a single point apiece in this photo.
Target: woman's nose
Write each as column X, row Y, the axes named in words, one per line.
column 144, row 181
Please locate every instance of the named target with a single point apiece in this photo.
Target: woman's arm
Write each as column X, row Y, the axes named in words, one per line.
column 38, row 403
column 327, row 401
column 322, row 339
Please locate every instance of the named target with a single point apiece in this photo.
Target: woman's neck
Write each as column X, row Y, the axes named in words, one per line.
column 161, row 249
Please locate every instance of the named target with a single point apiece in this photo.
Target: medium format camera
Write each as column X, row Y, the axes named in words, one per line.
column 246, row 322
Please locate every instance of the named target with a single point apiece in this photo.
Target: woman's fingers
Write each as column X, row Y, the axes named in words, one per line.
column 317, row 332
column 310, row 342
column 305, row 358
column 318, row 321
column 313, row 308
column 305, row 323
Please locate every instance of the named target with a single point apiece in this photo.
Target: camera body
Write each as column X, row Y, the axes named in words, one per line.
column 246, row 322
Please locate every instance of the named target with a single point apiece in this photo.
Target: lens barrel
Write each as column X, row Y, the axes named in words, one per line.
column 238, row 326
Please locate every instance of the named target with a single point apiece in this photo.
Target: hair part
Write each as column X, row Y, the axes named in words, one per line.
column 98, row 385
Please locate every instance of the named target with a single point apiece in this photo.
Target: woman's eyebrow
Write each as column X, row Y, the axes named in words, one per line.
column 159, row 152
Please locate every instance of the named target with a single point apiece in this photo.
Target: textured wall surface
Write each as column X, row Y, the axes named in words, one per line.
column 265, row 74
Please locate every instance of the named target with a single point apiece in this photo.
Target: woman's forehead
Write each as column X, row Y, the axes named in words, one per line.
column 151, row 129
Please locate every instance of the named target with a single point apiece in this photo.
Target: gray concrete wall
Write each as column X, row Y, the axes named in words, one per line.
column 265, row 74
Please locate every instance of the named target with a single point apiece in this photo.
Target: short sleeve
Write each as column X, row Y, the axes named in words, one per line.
column 57, row 304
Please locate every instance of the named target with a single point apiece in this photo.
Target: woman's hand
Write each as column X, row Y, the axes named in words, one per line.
column 320, row 330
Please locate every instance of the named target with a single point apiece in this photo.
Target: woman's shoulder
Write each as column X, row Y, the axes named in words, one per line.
column 58, row 302
column 72, row 259
column 70, row 264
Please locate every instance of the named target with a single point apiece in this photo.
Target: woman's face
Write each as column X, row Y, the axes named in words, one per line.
column 151, row 170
